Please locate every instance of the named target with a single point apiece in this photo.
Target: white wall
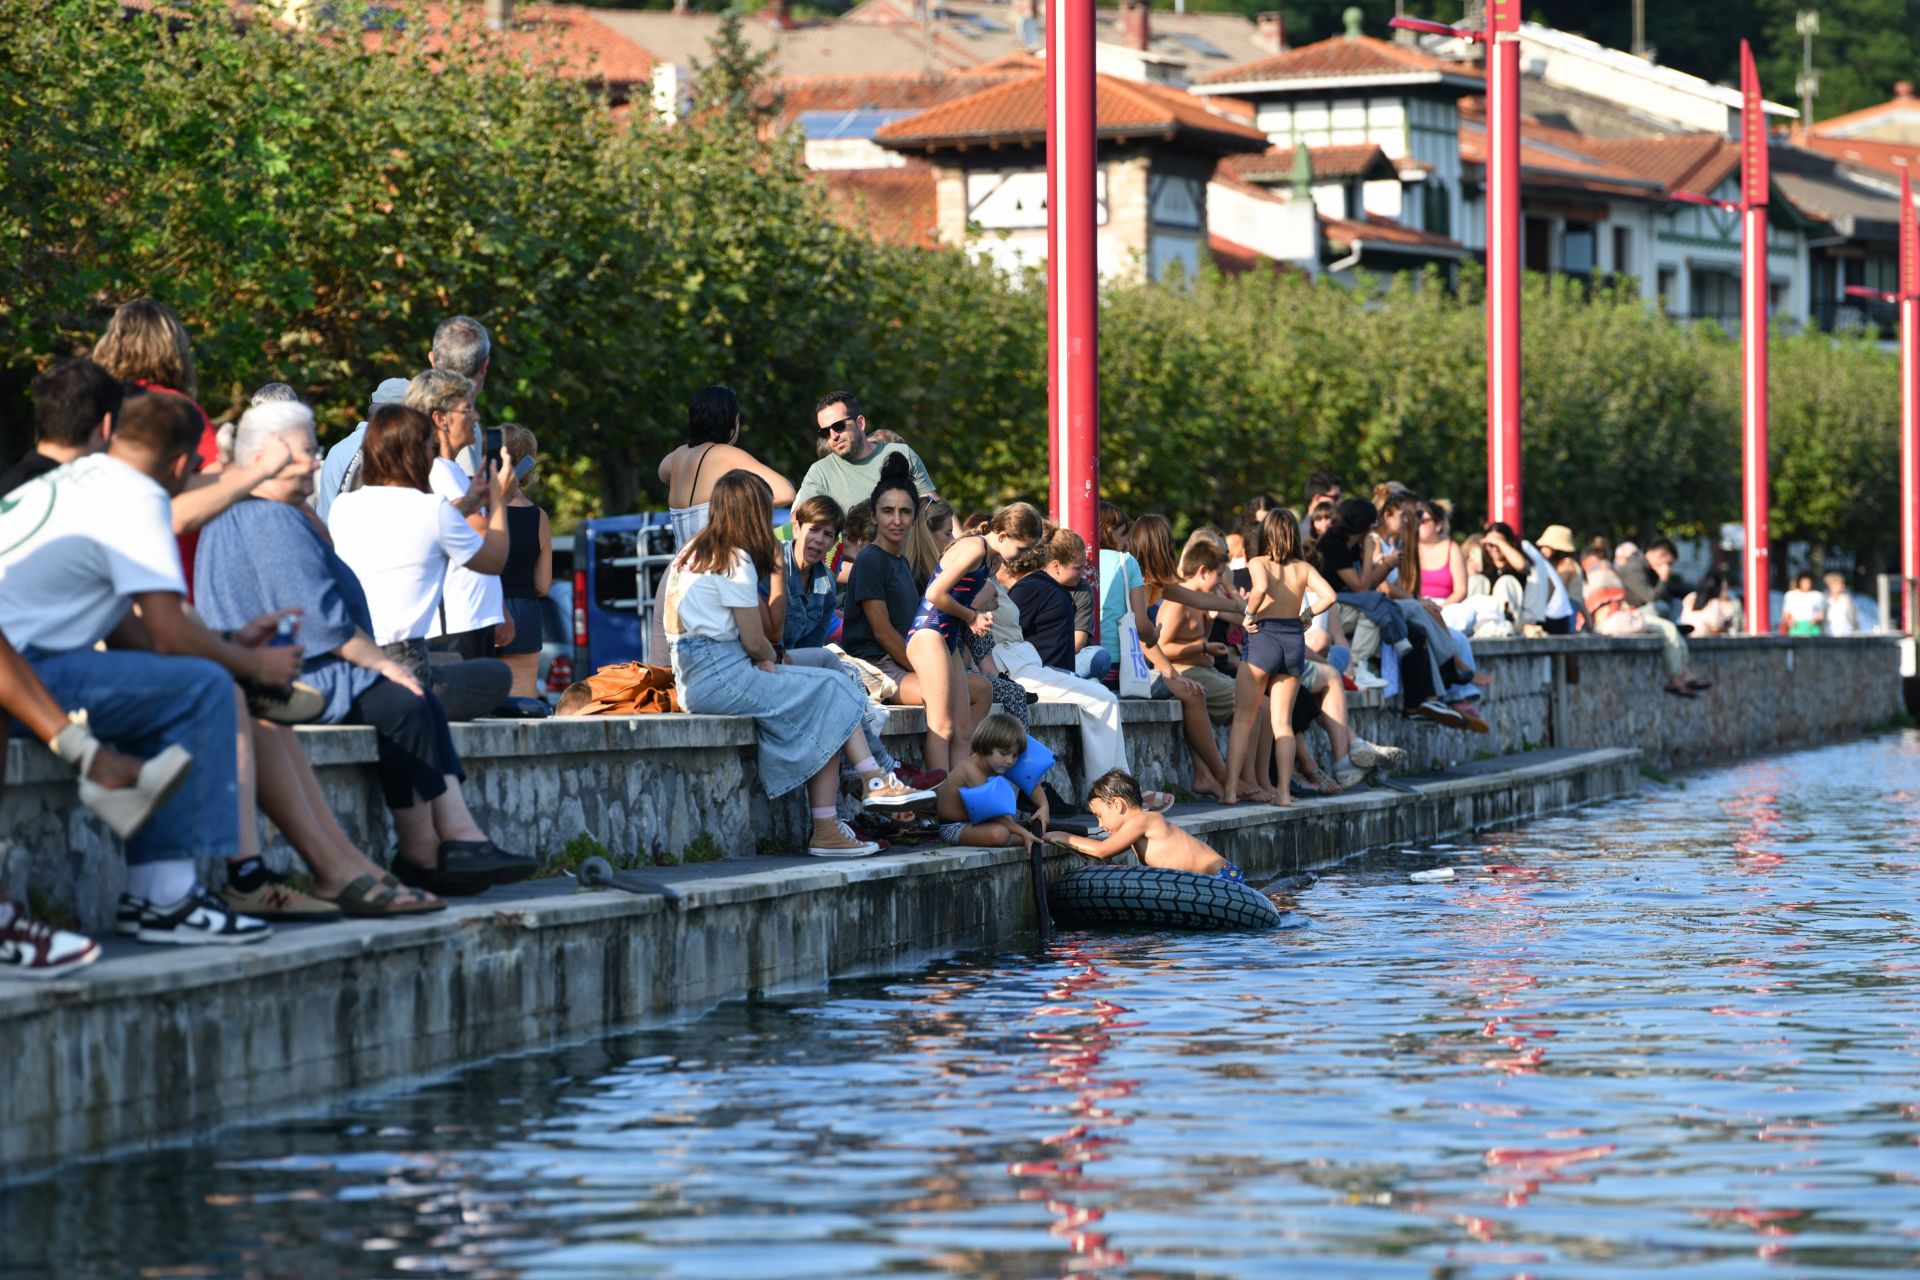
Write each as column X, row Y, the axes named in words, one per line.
column 1282, row 230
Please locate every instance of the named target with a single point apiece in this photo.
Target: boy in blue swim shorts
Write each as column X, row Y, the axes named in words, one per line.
column 1115, row 800
column 977, row 803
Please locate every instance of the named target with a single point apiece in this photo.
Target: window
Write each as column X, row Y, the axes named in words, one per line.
column 1623, row 251
column 1577, row 248
column 1667, row 278
column 1537, row 246
column 1436, row 209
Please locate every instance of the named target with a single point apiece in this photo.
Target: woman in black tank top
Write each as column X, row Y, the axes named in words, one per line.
column 528, row 573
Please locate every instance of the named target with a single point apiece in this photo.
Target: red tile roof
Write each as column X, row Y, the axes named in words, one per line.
column 1889, row 158
column 1687, row 162
column 1903, row 102
column 898, row 206
column 567, row 38
column 1342, row 56
column 1376, row 229
column 1017, row 112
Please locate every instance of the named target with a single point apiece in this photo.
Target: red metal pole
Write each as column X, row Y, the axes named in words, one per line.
column 1073, row 269
column 1753, row 344
column 1503, row 263
column 1056, row 384
column 1909, row 405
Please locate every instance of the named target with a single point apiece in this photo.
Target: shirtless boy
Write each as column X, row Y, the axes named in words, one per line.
column 1115, row 800
column 994, row 748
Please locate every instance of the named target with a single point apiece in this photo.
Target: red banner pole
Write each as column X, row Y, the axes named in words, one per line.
column 1503, row 263
column 1073, row 269
column 1056, row 377
column 1909, row 406
column 1753, row 344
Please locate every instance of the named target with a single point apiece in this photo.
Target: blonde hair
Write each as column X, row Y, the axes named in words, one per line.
column 520, row 443
column 145, row 342
column 997, row 732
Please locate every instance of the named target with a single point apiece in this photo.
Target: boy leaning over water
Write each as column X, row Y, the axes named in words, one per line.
column 1115, row 800
column 995, row 747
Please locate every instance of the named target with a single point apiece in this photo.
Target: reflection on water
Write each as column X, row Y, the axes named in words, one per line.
column 1676, row 1034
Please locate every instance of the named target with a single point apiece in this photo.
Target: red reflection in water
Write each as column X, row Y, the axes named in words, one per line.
column 1073, row 1056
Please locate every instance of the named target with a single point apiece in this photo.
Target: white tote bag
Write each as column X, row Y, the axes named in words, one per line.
column 1136, row 673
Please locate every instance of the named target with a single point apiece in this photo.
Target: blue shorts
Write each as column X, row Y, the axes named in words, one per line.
column 1278, row 647
column 1233, row 873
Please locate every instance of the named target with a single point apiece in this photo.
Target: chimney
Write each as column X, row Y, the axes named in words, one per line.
column 1270, row 31
column 500, row 14
column 777, row 16
column 1139, row 32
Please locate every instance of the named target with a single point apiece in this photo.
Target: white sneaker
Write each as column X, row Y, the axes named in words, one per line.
column 196, row 919
column 1347, row 774
column 35, row 949
column 835, row 839
column 885, row 791
column 1368, row 755
column 1366, row 679
column 1439, row 713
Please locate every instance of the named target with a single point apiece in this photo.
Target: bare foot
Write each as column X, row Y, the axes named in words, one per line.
column 1211, row 792
column 1482, row 679
column 114, row 771
column 1283, row 802
column 1258, row 795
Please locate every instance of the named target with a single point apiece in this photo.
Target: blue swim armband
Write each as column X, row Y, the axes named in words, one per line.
column 993, row 798
column 1031, row 766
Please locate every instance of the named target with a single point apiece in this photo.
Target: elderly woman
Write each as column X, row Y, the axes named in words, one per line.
column 268, row 549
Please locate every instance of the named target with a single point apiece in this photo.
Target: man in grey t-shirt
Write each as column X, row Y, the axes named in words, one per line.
column 848, row 472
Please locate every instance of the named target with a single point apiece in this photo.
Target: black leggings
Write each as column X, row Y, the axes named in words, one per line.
column 1558, row 626
column 1416, row 671
column 416, row 747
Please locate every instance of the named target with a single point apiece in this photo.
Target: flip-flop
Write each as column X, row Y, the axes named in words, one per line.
column 371, row 896
column 1156, row 801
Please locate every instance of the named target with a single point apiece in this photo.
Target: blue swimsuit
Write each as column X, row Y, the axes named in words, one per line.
column 930, row 617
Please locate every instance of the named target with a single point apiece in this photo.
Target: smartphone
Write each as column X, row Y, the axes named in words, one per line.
column 490, row 446
column 520, row 472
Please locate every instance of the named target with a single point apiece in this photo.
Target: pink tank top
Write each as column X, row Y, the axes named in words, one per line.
column 1437, row 584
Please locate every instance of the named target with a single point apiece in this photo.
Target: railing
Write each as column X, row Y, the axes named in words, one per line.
column 1855, row 315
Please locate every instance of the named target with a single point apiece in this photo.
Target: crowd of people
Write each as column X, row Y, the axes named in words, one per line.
column 173, row 598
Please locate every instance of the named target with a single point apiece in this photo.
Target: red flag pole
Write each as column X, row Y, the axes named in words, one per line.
column 1073, row 268
column 1503, row 262
column 1909, row 408
column 1753, row 343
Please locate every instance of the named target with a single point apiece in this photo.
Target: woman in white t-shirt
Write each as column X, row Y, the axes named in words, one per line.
column 1804, row 611
column 399, row 537
column 804, row 718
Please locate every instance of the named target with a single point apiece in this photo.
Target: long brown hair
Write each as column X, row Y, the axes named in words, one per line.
column 739, row 518
column 145, row 342
column 1280, row 536
column 1017, row 520
column 397, row 449
column 1151, row 542
column 1408, row 503
column 1113, row 526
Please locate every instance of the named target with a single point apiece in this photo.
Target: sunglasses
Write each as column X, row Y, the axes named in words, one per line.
column 833, row 428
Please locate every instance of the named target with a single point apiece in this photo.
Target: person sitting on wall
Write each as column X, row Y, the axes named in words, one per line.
column 264, row 555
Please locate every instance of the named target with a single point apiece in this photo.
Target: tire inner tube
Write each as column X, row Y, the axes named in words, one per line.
column 1157, row 898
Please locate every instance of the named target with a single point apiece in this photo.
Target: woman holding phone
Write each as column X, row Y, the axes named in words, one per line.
column 472, row 618
column 528, row 574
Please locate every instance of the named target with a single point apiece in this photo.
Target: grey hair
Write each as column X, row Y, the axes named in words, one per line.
column 439, row 390
column 273, row 418
column 275, row 393
column 461, row 345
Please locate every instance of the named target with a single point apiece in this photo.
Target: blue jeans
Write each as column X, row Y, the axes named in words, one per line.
column 142, row 703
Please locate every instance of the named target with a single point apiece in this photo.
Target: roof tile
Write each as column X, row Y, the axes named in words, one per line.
column 1017, row 112
column 1340, row 56
column 898, row 206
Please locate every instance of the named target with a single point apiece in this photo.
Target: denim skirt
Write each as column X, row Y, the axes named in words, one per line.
column 801, row 715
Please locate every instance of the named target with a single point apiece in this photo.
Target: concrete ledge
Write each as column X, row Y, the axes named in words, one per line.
column 151, row 1045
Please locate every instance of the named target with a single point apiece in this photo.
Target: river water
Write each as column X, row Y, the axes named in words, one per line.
column 1676, row 1035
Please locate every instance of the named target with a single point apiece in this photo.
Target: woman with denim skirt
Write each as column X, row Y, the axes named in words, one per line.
column 723, row 664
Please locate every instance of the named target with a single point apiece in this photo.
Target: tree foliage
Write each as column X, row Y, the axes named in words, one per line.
column 313, row 203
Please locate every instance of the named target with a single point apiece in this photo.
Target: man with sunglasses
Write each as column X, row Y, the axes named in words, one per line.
column 851, row 466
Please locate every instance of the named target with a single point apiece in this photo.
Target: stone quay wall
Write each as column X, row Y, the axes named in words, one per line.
column 685, row 788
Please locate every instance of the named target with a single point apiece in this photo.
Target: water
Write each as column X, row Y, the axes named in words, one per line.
column 1682, row 1039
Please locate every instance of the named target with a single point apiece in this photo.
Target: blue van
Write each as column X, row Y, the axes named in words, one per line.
column 618, row 562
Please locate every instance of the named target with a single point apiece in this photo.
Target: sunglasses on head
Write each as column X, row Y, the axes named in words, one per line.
column 845, row 424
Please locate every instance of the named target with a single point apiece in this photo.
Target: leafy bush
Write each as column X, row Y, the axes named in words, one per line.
column 313, row 203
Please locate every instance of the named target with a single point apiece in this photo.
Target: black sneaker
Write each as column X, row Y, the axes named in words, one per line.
column 198, row 918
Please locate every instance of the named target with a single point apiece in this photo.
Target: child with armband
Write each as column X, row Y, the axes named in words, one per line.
column 1115, row 800
column 978, row 802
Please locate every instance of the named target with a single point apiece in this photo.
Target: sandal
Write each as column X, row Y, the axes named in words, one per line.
column 372, row 896
column 125, row 809
column 1156, row 801
column 462, row 868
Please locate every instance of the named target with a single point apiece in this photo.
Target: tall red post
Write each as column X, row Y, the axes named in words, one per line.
column 1753, row 343
column 1503, row 262
column 1073, row 267
column 1909, row 407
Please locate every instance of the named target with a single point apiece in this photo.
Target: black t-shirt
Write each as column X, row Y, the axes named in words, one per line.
column 31, row 467
column 877, row 576
column 1046, row 618
column 1337, row 554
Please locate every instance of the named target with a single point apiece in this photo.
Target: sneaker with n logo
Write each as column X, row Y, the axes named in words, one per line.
column 34, row 949
column 196, row 920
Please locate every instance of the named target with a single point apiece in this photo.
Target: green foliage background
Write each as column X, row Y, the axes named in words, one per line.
column 313, row 206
